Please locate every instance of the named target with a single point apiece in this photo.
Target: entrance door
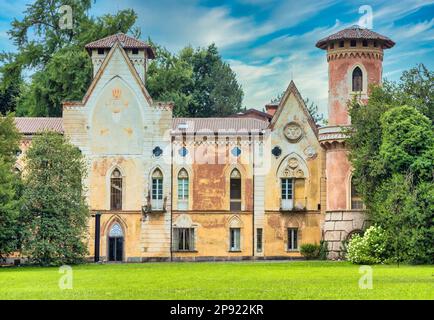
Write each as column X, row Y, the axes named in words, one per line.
column 116, row 243
column 116, row 248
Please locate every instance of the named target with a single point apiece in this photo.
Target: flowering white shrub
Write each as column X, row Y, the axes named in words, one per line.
column 369, row 248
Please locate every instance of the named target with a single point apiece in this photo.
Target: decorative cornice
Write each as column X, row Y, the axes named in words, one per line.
column 332, row 137
column 354, row 54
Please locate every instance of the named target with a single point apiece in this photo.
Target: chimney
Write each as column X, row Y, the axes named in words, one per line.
column 271, row 108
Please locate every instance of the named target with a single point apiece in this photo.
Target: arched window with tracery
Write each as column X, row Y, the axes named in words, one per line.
column 183, row 192
column 157, row 190
column 116, row 190
column 357, row 80
column 235, row 191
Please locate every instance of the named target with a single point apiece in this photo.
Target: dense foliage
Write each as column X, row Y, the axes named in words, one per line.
column 310, row 250
column 392, row 151
column 9, row 187
column 199, row 82
column 369, row 248
column 55, row 213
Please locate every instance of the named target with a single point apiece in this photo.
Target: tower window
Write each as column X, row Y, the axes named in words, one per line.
column 135, row 51
column 356, row 199
column 332, row 45
column 375, row 44
column 341, row 44
column 353, row 43
column 365, row 43
column 100, row 51
column 357, row 80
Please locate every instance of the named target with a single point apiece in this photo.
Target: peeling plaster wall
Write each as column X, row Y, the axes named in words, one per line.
column 118, row 128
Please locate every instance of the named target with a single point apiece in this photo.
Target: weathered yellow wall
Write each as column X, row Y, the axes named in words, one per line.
column 212, row 234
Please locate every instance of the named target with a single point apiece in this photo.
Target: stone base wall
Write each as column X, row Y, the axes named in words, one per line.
column 339, row 225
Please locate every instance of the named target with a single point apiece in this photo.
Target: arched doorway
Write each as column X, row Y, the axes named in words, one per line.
column 116, row 243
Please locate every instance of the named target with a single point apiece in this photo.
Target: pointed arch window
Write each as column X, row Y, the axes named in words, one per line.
column 356, row 199
column 235, row 191
column 157, row 190
column 116, row 190
column 357, row 80
column 183, row 185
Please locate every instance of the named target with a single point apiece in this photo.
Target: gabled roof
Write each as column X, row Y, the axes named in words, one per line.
column 125, row 41
column 101, row 71
column 355, row 33
column 293, row 89
column 29, row 125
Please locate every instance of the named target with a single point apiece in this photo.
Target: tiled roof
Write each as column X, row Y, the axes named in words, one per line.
column 252, row 113
column 27, row 125
column 211, row 125
column 126, row 42
column 355, row 33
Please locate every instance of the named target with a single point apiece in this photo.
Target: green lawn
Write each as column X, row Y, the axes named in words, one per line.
column 243, row 280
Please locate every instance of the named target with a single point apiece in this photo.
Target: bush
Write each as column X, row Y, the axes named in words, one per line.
column 323, row 250
column 369, row 248
column 310, row 250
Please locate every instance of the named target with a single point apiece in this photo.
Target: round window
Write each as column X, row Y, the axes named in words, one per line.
column 183, row 151
column 157, row 152
column 276, row 151
column 236, row 152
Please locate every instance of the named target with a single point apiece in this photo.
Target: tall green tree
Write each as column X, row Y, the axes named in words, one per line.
column 56, row 56
column 9, row 187
column 199, row 82
column 54, row 209
column 392, row 151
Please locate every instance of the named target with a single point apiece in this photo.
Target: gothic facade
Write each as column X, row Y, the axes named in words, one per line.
column 255, row 185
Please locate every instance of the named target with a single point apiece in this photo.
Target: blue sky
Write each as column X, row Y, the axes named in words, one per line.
column 270, row 42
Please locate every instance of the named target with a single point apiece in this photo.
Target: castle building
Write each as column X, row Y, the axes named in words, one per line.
column 254, row 185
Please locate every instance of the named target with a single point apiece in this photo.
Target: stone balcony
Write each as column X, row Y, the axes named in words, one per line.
column 330, row 135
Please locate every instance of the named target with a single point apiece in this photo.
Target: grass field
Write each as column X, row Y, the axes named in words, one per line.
column 243, row 280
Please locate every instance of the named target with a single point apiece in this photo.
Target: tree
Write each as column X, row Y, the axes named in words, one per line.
column 55, row 212
column 197, row 80
column 392, row 152
column 9, row 187
column 56, row 56
column 65, row 77
column 405, row 210
column 407, row 142
column 10, row 83
column 170, row 78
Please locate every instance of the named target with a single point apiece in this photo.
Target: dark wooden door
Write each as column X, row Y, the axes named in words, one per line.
column 116, row 248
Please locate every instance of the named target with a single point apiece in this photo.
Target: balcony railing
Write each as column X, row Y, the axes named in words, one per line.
column 182, row 205
column 286, row 204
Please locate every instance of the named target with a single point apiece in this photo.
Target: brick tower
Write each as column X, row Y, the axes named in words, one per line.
column 355, row 57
